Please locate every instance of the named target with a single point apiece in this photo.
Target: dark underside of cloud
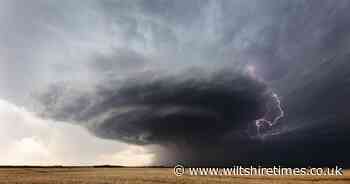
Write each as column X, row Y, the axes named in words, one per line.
column 203, row 119
column 188, row 110
column 175, row 110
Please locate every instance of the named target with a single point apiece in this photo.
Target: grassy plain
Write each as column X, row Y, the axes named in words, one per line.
column 82, row 175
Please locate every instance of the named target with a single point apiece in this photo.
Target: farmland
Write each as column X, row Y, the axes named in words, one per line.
column 90, row 175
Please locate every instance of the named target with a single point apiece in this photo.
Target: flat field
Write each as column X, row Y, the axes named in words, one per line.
column 82, row 175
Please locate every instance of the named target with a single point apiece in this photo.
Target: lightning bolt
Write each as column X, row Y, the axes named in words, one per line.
column 260, row 122
column 251, row 70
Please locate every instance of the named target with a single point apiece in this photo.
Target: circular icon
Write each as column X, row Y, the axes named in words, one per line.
column 179, row 170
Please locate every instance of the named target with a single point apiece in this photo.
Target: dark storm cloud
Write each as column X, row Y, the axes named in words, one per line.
column 112, row 57
column 181, row 109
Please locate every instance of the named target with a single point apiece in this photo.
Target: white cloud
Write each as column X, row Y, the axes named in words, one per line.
column 26, row 139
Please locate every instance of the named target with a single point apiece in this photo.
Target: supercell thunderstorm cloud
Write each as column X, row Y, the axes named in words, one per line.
column 198, row 82
column 177, row 112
